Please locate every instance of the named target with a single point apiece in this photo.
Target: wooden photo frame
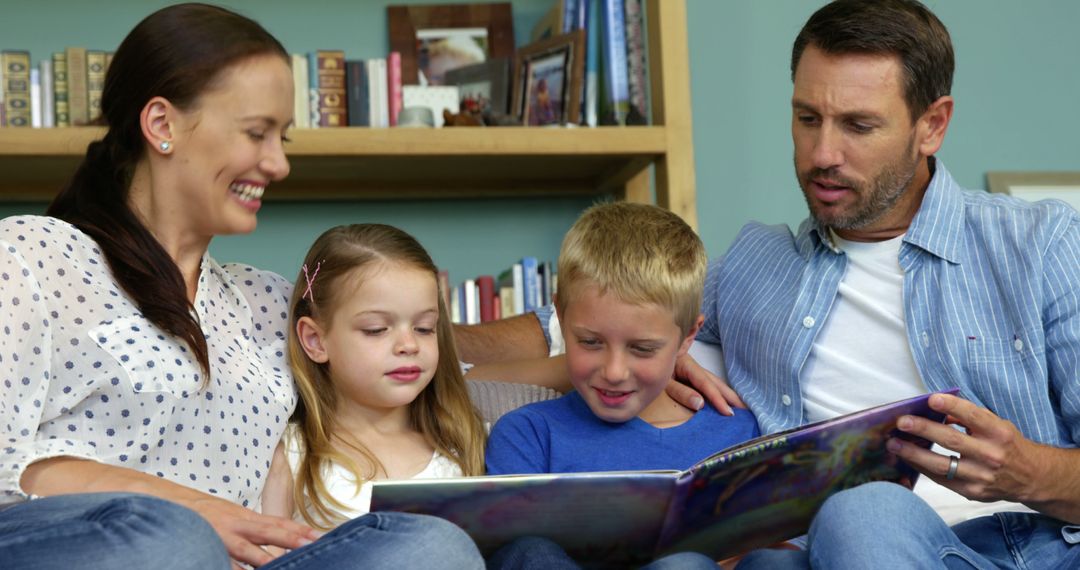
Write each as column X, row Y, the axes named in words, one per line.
column 1032, row 186
column 458, row 30
column 548, row 77
column 484, row 87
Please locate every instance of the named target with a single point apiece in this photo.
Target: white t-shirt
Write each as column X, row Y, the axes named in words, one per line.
column 341, row 484
column 861, row 358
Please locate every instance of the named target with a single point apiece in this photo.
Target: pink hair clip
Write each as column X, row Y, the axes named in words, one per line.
column 310, row 280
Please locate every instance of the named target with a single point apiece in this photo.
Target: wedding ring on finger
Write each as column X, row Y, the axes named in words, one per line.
column 954, row 464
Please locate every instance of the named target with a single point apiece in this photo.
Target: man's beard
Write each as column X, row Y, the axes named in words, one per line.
column 875, row 199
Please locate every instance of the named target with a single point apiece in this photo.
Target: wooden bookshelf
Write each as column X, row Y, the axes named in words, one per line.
column 465, row 162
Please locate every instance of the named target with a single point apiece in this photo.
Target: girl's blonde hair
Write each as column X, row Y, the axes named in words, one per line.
column 442, row 412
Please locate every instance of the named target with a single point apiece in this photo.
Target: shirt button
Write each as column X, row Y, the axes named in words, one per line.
column 787, row 399
column 925, row 340
column 808, row 322
column 1018, row 345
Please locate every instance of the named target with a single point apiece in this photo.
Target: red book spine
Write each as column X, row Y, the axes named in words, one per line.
column 393, row 81
column 486, row 286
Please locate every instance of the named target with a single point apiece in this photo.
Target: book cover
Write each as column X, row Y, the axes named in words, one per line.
column 301, row 101
column 636, row 64
column 356, row 92
column 78, row 96
column 747, row 496
column 48, row 96
column 485, row 285
column 16, row 88
column 95, row 82
column 60, row 89
column 393, row 86
column 530, row 283
column 615, row 102
column 332, row 111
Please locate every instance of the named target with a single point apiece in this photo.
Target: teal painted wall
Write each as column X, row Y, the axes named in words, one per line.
column 1017, row 87
column 1017, row 91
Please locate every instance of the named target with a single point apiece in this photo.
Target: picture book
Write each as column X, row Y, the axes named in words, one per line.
column 751, row 495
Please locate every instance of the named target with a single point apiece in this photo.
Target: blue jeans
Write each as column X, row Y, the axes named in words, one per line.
column 120, row 530
column 882, row 525
column 535, row 553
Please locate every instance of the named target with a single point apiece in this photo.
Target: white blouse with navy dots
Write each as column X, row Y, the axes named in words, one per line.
column 86, row 375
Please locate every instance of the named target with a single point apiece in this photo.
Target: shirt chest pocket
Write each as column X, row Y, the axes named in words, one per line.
column 151, row 361
column 1007, row 358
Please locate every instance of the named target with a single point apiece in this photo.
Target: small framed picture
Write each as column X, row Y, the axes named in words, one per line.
column 484, row 87
column 433, row 40
column 548, row 78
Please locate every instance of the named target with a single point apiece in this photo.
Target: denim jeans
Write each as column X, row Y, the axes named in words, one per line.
column 535, row 553
column 127, row 531
column 882, row 525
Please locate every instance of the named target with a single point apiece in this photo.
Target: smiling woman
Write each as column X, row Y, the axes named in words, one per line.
column 152, row 385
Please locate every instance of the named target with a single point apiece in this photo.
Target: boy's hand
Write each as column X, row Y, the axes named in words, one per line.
column 701, row 383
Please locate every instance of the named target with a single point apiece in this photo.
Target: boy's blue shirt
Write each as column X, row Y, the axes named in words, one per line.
column 564, row 436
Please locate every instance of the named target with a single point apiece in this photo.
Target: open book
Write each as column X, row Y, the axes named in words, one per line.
column 751, row 495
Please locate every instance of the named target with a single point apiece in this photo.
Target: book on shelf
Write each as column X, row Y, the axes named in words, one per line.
column 393, row 87
column 95, row 82
column 48, row 93
column 35, row 98
column 60, row 89
column 78, row 94
column 636, row 64
column 614, row 101
column 357, row 94
column 15, row 84
column 301, row 101
column 747, row 496
column 485, row 290
column 331, row 88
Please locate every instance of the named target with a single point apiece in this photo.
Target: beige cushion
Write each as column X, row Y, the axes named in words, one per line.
column 493, row 399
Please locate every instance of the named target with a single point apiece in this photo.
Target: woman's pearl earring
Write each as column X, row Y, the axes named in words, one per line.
column 164, row 146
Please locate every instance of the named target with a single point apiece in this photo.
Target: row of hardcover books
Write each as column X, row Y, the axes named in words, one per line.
column 63, row 90
column 616, row 90
column 521, row 288
column 332, row 91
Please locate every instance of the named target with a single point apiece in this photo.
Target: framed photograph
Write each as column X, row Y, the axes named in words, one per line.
column 435, row 39
column 1032, row 186
column 548, row 77
column 484, row 87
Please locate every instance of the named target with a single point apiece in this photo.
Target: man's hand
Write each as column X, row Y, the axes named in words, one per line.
column 996, row 462
column 701, row 382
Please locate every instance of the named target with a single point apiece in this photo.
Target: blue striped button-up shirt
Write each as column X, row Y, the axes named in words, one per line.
column 991, row 302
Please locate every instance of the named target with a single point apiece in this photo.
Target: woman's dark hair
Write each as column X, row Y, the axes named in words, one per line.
column 904, row 28
column 177, row 53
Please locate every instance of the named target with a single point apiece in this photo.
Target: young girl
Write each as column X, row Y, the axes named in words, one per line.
column 382, row 393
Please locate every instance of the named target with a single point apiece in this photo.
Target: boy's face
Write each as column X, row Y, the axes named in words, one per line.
column 620, row 355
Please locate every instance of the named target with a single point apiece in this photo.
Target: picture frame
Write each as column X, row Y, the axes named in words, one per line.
column 548, row 77
column 456, row 31
column 1037, row 185
column 484, row 87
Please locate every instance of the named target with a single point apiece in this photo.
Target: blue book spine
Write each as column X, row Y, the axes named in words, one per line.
column 592, row 62
column 313, row 87
column 530, row 283
column 569, row 14
column 356, row 92
column 616, row 76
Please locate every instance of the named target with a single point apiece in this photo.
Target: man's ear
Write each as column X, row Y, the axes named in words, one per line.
column 689, row 340
column 156, row 121
column 933, row 124
column 311, row 339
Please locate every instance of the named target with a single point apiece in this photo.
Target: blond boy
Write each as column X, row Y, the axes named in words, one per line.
column 628, row 299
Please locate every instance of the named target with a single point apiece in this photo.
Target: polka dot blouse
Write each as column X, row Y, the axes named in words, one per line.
column 86, row 375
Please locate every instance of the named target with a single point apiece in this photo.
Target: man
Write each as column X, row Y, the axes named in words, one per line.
column 900, row 282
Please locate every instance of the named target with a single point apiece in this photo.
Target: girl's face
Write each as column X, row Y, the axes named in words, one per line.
column 381, row 343
column 229, row 147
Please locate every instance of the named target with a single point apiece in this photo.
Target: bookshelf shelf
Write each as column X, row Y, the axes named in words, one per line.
column 451, row 163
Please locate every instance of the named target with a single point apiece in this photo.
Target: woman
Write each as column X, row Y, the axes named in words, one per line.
column 136, row 367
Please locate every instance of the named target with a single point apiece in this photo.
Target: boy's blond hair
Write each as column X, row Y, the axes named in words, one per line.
column 640, row 253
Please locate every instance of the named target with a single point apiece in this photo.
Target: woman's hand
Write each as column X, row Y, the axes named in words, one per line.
column 246, row 533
